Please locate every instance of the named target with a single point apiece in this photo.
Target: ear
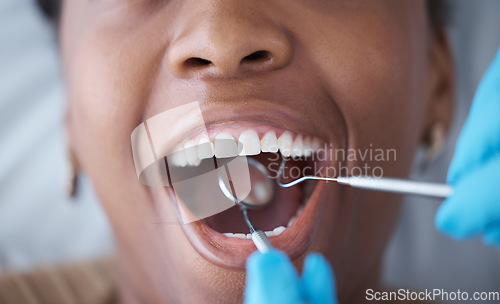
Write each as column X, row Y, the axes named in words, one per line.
column 441, row 85
column 73, row 165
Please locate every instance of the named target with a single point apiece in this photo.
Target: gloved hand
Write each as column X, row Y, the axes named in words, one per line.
column 272, row 278
column 474, row 207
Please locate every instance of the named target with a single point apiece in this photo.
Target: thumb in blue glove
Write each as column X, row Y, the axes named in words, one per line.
column 474, row 207
column 272, row 278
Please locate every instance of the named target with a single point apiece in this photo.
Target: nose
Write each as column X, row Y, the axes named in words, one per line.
column 227, row 40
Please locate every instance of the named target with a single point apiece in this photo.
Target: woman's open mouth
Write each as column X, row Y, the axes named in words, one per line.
column 290, row 219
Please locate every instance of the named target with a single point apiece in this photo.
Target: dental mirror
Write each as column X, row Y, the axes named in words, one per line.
column 261, row 194
column 261, row 190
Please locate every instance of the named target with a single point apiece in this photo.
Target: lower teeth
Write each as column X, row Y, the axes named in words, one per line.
column 277, row 231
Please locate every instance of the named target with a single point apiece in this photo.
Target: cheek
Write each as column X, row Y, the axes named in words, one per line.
column 373, row 62
column 109, row 72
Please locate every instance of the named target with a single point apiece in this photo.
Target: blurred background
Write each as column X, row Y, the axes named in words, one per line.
column 41, row 224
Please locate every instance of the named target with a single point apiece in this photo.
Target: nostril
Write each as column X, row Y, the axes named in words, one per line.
column 257, row 57
column 256, row 61
column 196, row 62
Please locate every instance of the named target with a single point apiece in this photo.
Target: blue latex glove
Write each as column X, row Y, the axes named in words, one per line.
column 272, row 278
column 474, row 207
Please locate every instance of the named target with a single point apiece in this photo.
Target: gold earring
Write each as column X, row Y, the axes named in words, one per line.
column 436, row 144
column 72, row 179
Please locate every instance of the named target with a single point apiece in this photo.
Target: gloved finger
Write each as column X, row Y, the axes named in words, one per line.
column 318, row 283
column 492, row 237
column 474, row 205
column 271, row 278
column 479, row 137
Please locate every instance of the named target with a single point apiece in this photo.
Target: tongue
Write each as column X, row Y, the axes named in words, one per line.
column 284, row 206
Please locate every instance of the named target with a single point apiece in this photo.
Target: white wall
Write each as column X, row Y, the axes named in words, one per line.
column 38, row 223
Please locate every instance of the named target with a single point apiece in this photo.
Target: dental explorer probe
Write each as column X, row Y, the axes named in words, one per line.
column 259, row 237
column 384, row 184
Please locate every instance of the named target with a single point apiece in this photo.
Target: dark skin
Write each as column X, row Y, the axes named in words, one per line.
column 354, row 72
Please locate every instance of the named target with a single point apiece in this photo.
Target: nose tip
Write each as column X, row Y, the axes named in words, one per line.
column 240, row 49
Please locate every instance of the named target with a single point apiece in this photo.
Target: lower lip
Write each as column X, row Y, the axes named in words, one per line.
column 232, row 252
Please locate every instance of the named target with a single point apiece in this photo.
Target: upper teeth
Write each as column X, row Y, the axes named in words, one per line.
column 205, row 148
column 248, row 143
column 285, row 143
column 269, row 142
column 225, row 145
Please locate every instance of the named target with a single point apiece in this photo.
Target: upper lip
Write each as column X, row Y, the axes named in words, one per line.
column 259, row 111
